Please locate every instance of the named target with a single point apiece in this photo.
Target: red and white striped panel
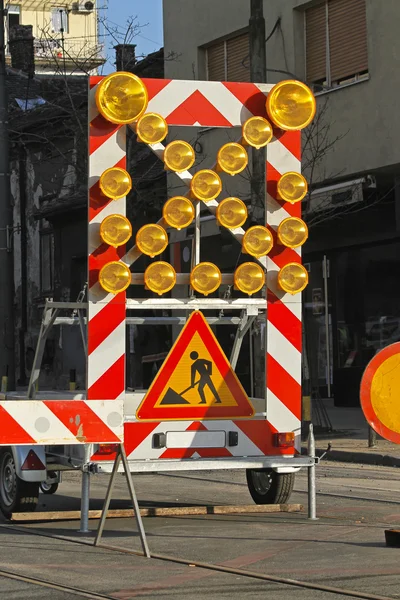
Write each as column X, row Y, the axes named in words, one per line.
column 208, row 104
column 46, row 422
column 255, row 438
column 106, row 312
column 284, row 332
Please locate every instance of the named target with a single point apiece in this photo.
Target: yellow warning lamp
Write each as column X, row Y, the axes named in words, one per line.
column 231, row 213
column 151, row 239
column 257, row 132
column 121, row 97
column 249, row 278
column 151, row 128
column 257, row 241
column 179, row 156
column 205, row 278
column 178, row 212
column 115, row 183
column 232, row 158
column 292, row 232
column 114, row 277
column 293, row 278
column 292, row 187
column 205, row 185
column 160, row 277
column 115, row 230
column 291, row 105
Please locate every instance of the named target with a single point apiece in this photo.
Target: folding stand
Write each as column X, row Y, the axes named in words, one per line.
column 121, row 454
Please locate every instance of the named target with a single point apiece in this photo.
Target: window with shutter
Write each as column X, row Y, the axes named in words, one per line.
column 229, row 60
column 347, row 38
column 237, row 52
column 315, row 18
column 336, row 42
column 216, row 62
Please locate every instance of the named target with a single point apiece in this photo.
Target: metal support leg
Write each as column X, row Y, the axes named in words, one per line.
column 121, row 454
column 85, row 495
column 135, row 502
column 83, row 330
column 85, row 502
column 49, row 316
column 107, row 499
column 312, row 489
column 243, row 327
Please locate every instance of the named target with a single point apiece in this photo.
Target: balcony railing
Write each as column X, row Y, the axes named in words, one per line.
column 79, row 51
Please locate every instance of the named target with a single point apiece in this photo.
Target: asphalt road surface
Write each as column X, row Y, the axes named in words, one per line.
column 344, row 548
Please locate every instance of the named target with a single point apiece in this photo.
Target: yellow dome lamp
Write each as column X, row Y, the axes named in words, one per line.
column 115, row 183
column 249, row 278
column 151, row 239
column 257, row 132
column 115, row 230
column 291, row 105
column 231, row 213
column 151, row 128
column 293, row 278
column 115, row 277
column 205, row 278
column 232, row 158
column 257, row 241
column 205, row 185
column 292, row 232
column 292, row 187
column 178, row 212
column 121, row 98
column 160, row 277
column 179, row 156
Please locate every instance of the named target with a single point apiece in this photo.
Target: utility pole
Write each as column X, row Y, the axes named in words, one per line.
column 7, row 330
column 258, row 72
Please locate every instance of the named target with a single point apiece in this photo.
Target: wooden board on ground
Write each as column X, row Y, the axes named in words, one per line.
column 174, row 511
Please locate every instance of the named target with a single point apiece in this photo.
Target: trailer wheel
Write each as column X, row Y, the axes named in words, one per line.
column 266, row 486
column 48, row 488
column 16, row 495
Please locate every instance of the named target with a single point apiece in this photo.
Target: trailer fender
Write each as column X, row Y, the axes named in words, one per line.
column 30, row 462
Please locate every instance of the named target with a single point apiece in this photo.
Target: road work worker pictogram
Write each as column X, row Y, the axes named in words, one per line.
column 204, row 369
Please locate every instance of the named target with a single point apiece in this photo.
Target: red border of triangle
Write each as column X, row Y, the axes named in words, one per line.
column 147, row 410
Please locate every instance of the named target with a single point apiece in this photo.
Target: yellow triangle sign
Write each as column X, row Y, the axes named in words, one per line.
column 196, row 381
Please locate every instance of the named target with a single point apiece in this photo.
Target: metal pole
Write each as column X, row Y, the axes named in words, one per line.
column 85, row 493
column 197, row 235
column 371, row 437
column 7, row 336
column 312, row 489
column 327, row 330
column 258, row 71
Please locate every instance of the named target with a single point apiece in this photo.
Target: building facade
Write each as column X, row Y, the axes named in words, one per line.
column 346, row 51
column 49, row 186
column 66, row 34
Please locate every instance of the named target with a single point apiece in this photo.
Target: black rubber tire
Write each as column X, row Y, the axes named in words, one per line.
column 48, row 488
column 266, row 486
column 16, row 495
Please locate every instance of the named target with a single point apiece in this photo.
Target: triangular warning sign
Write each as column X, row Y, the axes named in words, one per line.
column 195, row 381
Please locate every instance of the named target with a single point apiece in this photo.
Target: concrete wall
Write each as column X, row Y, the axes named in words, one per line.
column 362, row 118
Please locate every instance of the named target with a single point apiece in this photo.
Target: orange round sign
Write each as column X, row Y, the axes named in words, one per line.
column 380, row 393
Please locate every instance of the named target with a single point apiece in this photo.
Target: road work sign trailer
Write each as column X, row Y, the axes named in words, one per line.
column 196, row 414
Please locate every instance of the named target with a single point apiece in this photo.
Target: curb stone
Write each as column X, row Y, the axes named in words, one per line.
column 370, row 458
